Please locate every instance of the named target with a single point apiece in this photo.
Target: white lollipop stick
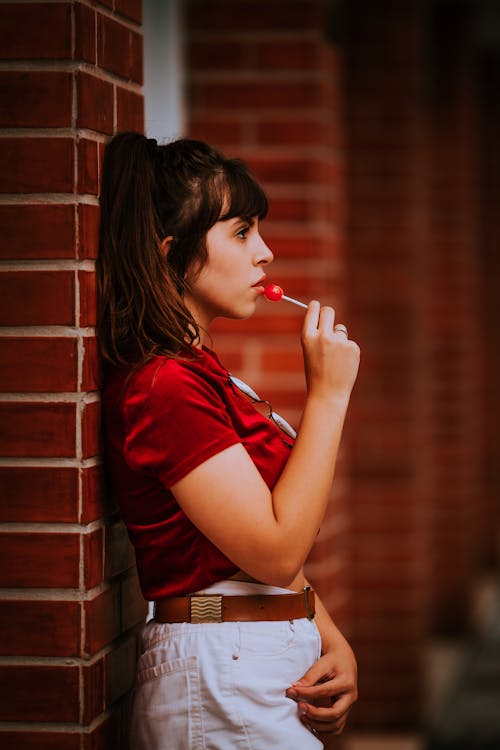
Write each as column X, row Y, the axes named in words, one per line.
column 294, row 301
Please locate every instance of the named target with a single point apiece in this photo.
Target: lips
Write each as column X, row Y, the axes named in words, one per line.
column 260, row 282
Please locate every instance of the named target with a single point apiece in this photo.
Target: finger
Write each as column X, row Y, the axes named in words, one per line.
column 326, row 319
column 317, row 673
column 340, row 328
column 331, row 713
column 311, row 317
column 323, row 730
column 326, row 689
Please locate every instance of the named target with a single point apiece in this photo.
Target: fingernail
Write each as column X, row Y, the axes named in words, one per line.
column 302, row 709
column 297, row 682
column 291, row 693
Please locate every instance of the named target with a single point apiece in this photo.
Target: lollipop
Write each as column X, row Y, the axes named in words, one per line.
column 274, row 293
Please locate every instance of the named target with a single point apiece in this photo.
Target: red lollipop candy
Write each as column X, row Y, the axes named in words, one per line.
column 274, row 293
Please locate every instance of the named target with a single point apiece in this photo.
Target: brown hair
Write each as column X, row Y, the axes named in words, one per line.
column 150, row 192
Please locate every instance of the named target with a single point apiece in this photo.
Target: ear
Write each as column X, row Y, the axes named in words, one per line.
column 165, row 245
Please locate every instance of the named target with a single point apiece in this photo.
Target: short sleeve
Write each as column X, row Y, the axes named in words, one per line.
column 174, row 423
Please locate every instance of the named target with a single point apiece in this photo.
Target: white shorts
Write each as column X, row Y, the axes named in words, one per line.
column 221, row 686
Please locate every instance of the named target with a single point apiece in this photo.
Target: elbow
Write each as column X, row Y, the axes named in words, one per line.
column 281, row 571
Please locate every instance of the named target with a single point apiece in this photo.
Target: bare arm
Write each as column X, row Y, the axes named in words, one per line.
column 269, row 535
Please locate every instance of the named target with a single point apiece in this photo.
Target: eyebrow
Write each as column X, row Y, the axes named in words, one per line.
column 246, row 219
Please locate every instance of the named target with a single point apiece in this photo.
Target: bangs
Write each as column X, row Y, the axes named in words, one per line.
column 244, row 197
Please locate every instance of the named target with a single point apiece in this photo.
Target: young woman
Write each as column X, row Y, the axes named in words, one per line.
column 222, row 505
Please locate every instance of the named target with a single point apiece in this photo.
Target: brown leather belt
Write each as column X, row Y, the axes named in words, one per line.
column 246, row 608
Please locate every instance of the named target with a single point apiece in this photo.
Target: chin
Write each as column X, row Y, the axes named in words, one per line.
column 241, row 313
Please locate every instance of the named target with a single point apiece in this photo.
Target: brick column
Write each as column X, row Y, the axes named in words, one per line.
column 490, row 221
column 69, row 601
column 387, row 241
column 263, row 84
column 452, row 323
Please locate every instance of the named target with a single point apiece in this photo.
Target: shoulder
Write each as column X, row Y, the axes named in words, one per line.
column 163, row 381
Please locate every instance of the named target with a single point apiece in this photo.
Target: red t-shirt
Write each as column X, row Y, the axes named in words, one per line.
column 160, row 422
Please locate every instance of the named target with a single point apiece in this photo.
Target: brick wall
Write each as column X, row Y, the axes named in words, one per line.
column 452, row 321
column 263, row 84
column 387, row 175
column 423, row 518
column 70, row 77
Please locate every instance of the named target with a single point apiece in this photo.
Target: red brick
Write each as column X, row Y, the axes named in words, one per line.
column 289, row 209
column 91, row 432
column 254, row 15
column 95, row 103
column 54, row 19
column 32, row 99
column 102, row 620
column 279, row 360
column 37, row 231
column 39, row 494
column 52, row 691
column 96, row 502
column 296, row 246
column 119, row 49
column 38, row 364
column 88, row 220
column 92, row 374
column 93, row 691
column 31, row 429
column 39, row 560
column 284, row 54
column 87, row 281
column 290, row 132
column 110, row 734
column 287, row 169
column 57, row 631
column 85, row 33
column 221, row 133
column 218, row 55
column 130, row 8
column 37, row 298
column 129, row 110
column 93, row 558
column 88, row 167
column 36, row 165
column 32, row 740
column 249, row 95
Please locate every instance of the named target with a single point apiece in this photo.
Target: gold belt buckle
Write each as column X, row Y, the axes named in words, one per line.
column 309, row 612
column 205, row 608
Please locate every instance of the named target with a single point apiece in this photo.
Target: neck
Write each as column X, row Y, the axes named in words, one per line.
column 202, row 319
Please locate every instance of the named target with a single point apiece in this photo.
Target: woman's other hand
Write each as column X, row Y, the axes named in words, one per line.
column 327, row 691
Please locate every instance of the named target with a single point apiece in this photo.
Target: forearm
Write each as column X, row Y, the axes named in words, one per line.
column 331, row 637
column 301, row 494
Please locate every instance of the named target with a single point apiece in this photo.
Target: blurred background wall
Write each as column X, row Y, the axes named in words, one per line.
column 373, row 125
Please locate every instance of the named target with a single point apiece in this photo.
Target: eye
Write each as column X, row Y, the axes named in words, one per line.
column 242, row 233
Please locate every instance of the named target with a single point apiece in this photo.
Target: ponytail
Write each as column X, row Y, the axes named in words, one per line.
column 140, row 310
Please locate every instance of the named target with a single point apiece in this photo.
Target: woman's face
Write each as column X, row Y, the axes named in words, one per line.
column 232, row 279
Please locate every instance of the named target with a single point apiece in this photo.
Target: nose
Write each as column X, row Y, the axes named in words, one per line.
column 263, row 255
